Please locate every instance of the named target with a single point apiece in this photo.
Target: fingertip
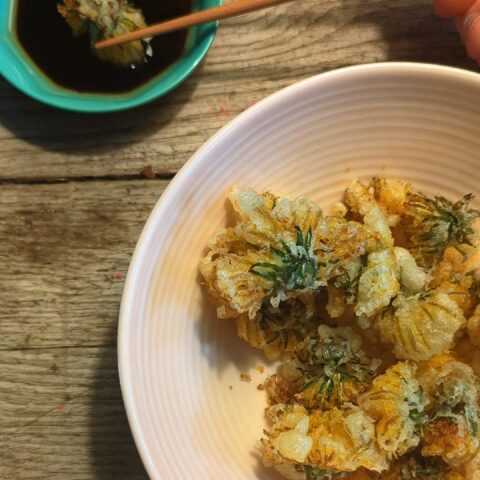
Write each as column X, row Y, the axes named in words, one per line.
column 452, row 8
column 472, row 41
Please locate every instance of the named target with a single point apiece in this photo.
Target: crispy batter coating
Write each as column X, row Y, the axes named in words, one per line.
column 362, row 202
column 420, row 326
column 452, row 277
column 396, row 402
column 378, row 283
column 453, row 430
column 266, row 270
column 391, row 194
column 336, row 440
column 412, row 278
column 432, row 224
column 289, row 438
column 370, row 329
column 344, row 440
column 102, row 19
column 329, row 368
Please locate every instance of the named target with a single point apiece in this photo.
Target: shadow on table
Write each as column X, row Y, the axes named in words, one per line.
column 412, row 31
column 57, row 130
column 113, row 450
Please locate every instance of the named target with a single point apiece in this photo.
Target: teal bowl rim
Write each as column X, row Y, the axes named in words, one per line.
column 17, row 68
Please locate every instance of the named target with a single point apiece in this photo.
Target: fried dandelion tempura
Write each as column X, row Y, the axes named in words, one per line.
column 396, row 402
column 329, row 368
column 420, row 326
column 378, row 283
column 338, row 440
column 102, row 19
column 452, row 432
column 265, row 271
column 372, row 312
column 431, row 224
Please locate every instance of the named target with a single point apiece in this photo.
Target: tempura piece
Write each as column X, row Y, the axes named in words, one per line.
column 277, row 330
column 269, row 253
column 432, row 224
column 265, row 271
column 362, row 202
column 396, row 402
column 406, row 267
column 420, row 326
column 288, row 439
column 329, row 369
column 391, row 195
column 344, row 440
column 347, row 280
column 102, row 19
column 334, row 440
column 378, row 283
column 451, row 276
column 453, row 430
column 412, row 277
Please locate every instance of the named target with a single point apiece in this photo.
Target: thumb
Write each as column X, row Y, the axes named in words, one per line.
column 468, row 26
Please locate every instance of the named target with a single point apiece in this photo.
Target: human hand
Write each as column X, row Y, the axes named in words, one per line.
column 466, row 14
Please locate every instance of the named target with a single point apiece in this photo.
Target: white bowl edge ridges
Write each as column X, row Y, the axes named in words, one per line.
column 412, row 120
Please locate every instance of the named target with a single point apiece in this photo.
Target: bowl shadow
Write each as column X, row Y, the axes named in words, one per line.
column 63, row 131
column 413, row 32
column 113, row 451
column 220, row 343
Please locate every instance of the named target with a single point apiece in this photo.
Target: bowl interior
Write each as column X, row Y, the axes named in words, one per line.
column 191, row 415
column 17, row 67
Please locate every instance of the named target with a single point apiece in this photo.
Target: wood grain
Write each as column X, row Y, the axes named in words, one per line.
column 62, row 416
column 73, row 202
column 253, row 56
column 62, row 247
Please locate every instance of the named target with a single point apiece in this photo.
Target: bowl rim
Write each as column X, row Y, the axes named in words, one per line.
column 164, row 203
column 15, row 59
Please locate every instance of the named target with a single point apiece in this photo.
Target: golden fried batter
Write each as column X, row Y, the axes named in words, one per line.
column 366, row 310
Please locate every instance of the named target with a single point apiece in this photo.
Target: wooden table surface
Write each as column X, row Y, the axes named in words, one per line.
column 74, row 200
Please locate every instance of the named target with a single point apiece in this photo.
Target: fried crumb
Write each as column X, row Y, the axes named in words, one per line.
column 260, row 368
column 260, row 386
column 245, row 377
column 147, row 172
column 230, row 387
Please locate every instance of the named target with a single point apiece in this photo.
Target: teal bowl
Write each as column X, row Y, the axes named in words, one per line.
column 18, row 69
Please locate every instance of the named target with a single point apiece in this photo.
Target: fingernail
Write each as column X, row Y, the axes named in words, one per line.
column 470, row 20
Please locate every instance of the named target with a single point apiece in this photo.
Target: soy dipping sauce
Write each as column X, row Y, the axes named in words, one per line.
column 69, row 62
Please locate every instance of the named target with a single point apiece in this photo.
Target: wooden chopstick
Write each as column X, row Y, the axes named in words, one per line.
column 233, row 9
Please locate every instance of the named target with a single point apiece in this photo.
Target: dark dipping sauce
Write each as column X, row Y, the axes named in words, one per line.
column 69, row 61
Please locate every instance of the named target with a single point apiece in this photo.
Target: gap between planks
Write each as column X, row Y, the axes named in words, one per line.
column 57, row 347
column 86, row 178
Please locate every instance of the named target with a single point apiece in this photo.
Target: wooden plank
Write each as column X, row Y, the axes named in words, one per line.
column 253, row 56
column 62, row 416
column 64, row 252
